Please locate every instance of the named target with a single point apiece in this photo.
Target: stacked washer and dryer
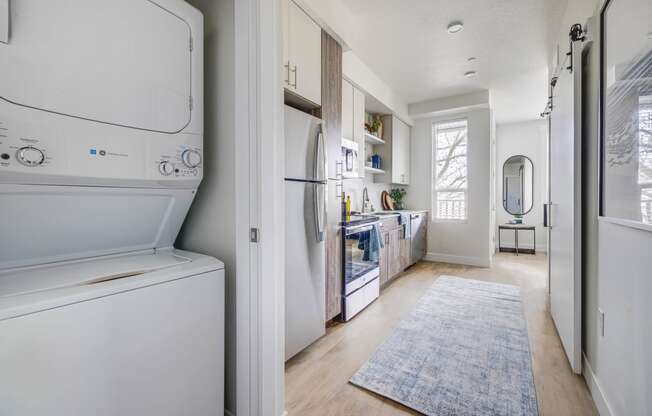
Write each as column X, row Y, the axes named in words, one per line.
column 101, row 140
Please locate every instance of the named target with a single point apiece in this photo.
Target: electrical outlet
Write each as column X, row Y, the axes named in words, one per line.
column 601, row 322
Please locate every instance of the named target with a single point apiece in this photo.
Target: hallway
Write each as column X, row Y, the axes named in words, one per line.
column 317, row 378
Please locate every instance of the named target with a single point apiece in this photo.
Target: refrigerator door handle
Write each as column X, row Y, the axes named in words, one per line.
column 318, row 205
column 320, row 157
column 4, row 21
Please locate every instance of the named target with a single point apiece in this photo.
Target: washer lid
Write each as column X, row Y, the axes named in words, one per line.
column 87, row 272
column 122, row 62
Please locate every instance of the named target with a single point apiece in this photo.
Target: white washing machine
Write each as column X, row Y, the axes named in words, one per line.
column 101, row 145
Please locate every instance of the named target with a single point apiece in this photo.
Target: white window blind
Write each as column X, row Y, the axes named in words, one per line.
column 450, row 170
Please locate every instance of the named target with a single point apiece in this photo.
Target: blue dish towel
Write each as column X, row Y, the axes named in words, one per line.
column 371, row 243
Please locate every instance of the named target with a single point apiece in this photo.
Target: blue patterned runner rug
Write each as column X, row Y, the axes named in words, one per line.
column 462, row 351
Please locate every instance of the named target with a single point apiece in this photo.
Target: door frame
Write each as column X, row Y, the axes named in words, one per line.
column 260, row 306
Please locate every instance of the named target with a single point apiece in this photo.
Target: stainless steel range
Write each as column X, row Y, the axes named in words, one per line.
column 361, row 264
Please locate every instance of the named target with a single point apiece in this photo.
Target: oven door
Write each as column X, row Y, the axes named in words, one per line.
column 361, row 256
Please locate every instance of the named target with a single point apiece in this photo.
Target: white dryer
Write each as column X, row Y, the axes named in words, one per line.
column 101, row 144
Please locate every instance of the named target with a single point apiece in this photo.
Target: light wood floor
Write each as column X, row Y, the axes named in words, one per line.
column 317, row 378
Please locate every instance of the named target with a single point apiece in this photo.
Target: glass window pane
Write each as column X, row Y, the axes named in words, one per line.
column 450, row 169
column 627, row 107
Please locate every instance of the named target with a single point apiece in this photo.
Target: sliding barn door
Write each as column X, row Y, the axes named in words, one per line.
column 564, row 209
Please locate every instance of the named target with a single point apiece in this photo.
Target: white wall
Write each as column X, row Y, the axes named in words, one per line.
column 464, row 243
column 364, row 78
column 219, row 162
column 354, row 188
column 527, row 139
column 455, row 103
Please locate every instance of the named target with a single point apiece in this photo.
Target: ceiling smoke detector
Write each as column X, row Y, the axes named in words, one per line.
column 470, row 74
column 455, row 27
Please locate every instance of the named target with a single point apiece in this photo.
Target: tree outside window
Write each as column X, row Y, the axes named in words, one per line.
column 450, row 170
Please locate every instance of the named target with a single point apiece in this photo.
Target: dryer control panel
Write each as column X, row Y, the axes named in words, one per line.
column 85, row 152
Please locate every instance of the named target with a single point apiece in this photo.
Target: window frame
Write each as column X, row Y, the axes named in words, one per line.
column 433, row 173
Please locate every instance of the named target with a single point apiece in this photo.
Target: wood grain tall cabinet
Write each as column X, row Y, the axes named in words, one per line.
column 331, row 113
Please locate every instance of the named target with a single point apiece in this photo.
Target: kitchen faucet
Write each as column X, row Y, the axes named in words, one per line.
column 365, row 200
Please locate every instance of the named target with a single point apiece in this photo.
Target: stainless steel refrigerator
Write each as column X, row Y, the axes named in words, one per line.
column 305, row 230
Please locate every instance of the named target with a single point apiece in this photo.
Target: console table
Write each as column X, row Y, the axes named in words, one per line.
column 517, row 228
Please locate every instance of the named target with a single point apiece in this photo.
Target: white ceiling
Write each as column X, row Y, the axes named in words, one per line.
column 407, row 45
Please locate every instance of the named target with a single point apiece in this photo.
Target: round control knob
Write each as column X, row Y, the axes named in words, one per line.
column 191, row 158
column 165, row 168
column 30, row 156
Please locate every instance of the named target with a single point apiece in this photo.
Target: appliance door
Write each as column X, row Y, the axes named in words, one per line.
column 113, row 355
column 57, row 223
column 305, row 147
column 305, row 265
column 120, row 62
column 361, row 256
column 418, row 237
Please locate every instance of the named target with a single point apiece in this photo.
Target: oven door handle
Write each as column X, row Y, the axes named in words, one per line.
column 359, row 229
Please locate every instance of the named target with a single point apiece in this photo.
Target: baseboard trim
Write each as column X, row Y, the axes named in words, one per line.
column 465, row 260
column 596, row 391
column 229, row 413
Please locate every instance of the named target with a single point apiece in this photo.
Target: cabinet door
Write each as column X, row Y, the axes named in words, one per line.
column 358, row 127
column 405, row 153
column 405, row 252
column 285, row 25
column 400, row 152
column 305, row 54
column 383, row 259
column 394, row 252
column 347, row 110
column 396, row 150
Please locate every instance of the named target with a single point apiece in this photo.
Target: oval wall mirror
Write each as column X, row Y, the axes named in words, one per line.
column 518, row 185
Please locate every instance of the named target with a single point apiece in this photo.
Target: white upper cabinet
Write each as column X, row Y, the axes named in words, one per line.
column 401, row 150
column 353, row 119
column 358, row 128
column 301, row 53
column 395, row 153
column 347, row 110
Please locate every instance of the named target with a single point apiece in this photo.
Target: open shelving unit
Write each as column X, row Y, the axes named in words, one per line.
column 374, row 171
column 371, row 139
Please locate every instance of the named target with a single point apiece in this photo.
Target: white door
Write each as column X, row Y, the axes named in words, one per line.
column 96, row 60
column 565, row 209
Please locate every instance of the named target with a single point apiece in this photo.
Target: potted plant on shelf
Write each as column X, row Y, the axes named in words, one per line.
column 375, row 126
column 397, row 195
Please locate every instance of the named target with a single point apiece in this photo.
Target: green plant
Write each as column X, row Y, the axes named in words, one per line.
column 397, row 195
column 375, row 124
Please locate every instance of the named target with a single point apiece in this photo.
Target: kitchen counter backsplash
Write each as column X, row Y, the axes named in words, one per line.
column 354, row 188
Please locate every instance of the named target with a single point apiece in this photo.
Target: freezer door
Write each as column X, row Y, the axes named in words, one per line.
column 120, row 62
column 305, row 269
column 305, row 149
